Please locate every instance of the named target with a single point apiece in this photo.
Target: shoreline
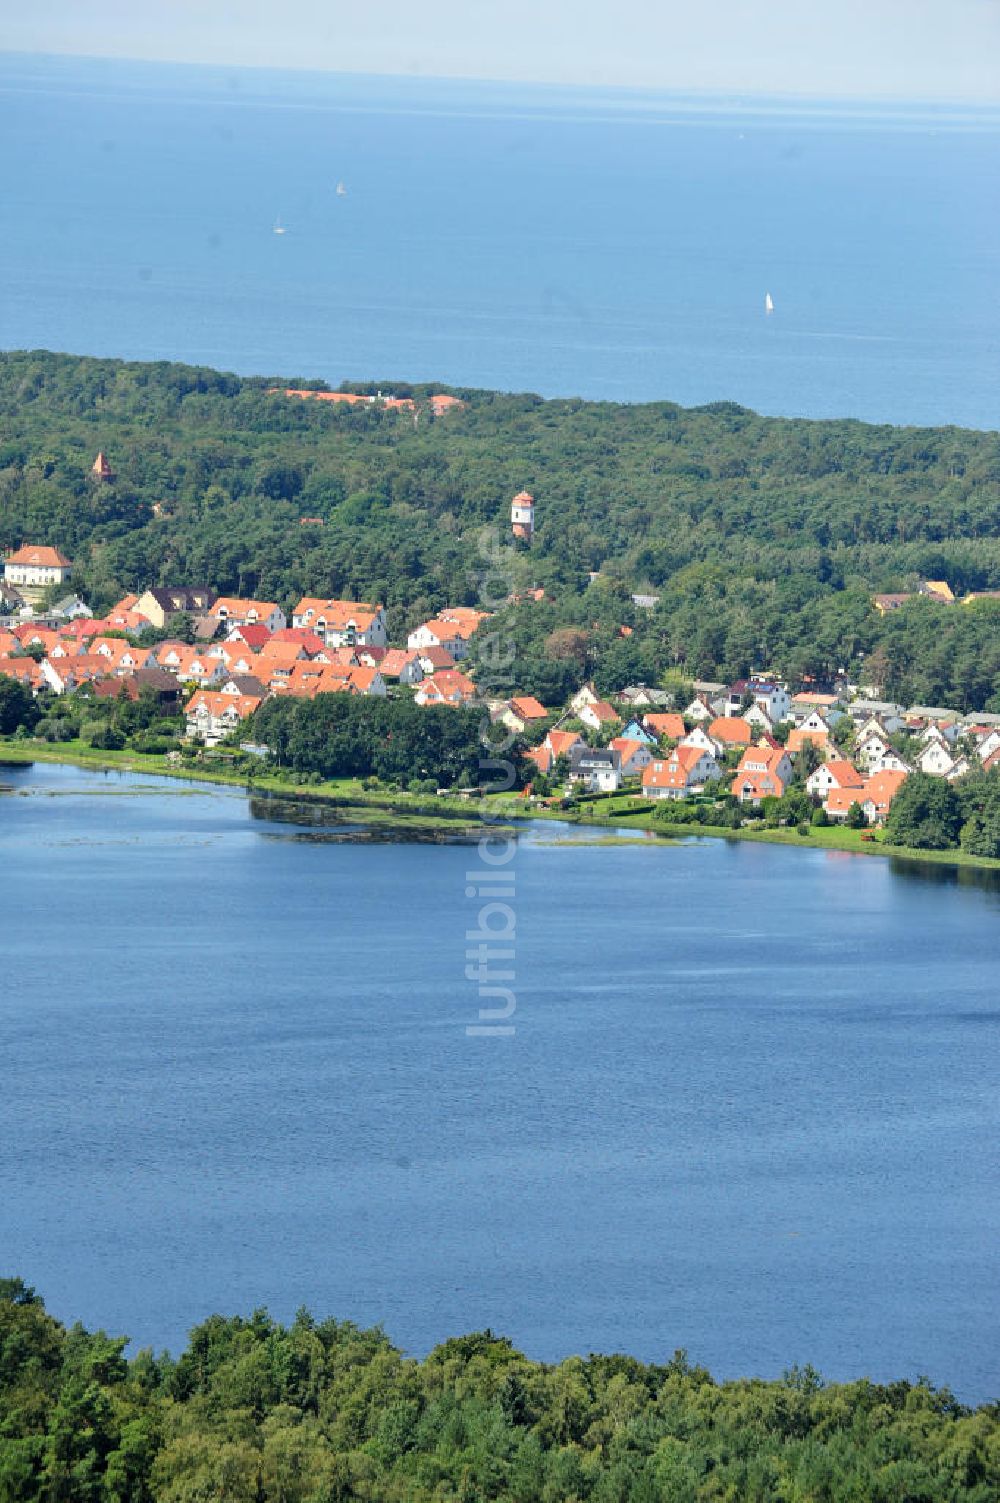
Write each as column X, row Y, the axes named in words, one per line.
column 450, row 811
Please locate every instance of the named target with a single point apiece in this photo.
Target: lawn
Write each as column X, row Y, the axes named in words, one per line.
column 632, row 812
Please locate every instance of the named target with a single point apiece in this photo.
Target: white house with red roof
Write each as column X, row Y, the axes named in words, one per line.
column 62, row 675
column 599, row 716
column 434, row 659
column 237, row 658
column 561, row 743
column 586, row 695
column 874, row 797
column 449, row 687
column 253, row 637
column 401, row 666
column 342, row 623
column 522, row 712
column 228, row 610
column 212, row 715
column 764, row 772
column 635, row 755
column 833, row 774
column 879, row 793
column 731, row 730
column 33, row 568
column 987, row 745
column 451, row 629
column 699, row 737
column 679, row 773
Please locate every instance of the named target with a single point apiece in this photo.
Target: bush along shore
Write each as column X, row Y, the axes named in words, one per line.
column 325, row 1412
column 403, row 808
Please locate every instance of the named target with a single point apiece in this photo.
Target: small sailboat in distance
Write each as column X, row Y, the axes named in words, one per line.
column 279, row 228
column 768, row 303
column 341, row 191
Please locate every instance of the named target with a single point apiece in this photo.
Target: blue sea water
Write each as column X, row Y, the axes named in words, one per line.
column 570, row 242
column 750, row 1107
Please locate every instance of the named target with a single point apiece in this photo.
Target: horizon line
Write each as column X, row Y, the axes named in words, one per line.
column 731, row 93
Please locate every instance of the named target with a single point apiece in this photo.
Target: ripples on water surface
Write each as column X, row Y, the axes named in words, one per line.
column 570, row 242
column 750, row 1107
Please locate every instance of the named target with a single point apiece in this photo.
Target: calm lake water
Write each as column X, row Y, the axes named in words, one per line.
column 571, row 242
column 750, row 1108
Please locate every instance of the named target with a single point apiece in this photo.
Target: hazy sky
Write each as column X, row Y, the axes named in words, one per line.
column 921, row 49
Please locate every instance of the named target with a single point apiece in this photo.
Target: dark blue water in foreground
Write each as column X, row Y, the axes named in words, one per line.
column 750, row 1107
column 570, row 242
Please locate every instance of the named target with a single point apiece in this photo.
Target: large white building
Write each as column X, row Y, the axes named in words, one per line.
column 343, row 623
column 32, row 570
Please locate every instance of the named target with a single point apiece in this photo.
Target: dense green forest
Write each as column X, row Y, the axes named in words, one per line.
column 764, row 538
column 324, row 1412
column 340, row 736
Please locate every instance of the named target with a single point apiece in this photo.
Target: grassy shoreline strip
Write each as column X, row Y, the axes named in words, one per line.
column 348, row 793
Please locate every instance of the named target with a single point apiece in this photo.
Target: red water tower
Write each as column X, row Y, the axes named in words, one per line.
column 522, row 516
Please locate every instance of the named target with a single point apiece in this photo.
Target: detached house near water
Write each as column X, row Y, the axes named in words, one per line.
column 683, row 771
column 764, row 772
column 599, row 769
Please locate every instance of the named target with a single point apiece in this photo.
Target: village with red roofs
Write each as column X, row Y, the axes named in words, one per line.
column 849, row 750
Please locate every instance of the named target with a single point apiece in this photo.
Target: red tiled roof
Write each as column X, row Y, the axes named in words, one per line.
column 731, row 730
column 41, row 558
column 396, row 659
column 448, row 686
column 230, row 605
column 303, row 635
column 338, row 614
column 665, row 725
column 882, row 788
column 561, row 743
column 627, row 746
column 797, row 739
column 541, row 756
column 255, row 634
column 844, row 774
column 674, row 770
column 758, row 773
column 525, row 707
column 438, row 657
column 216, row 702
column 282, row 652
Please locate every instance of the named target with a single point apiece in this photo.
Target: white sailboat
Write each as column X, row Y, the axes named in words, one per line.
column 279, row 228
column 341, row 191
column 768, row 303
